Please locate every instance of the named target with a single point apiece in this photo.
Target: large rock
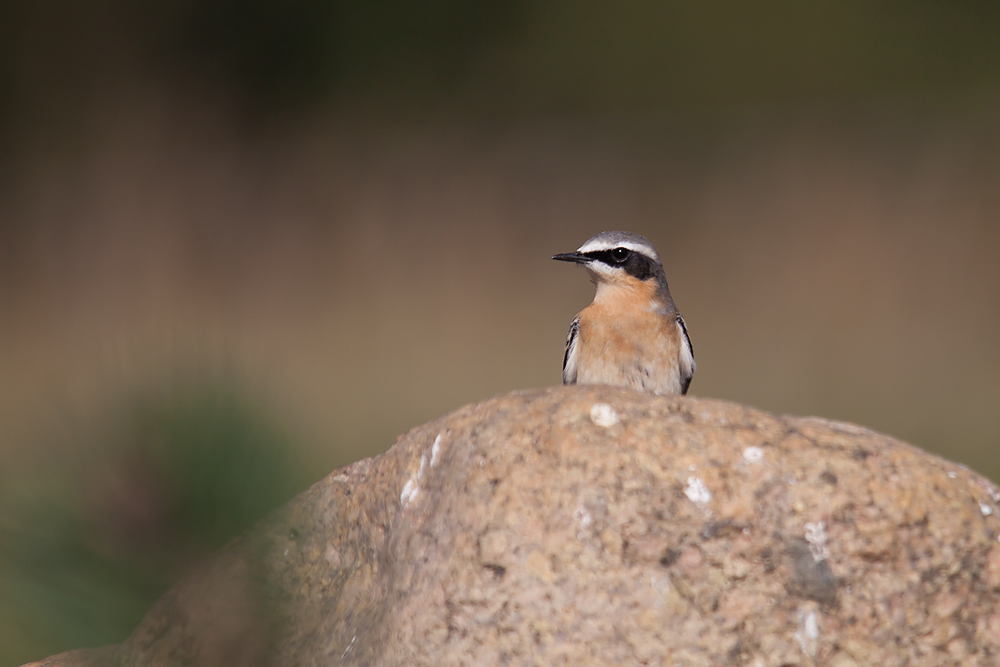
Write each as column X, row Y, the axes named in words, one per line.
column 592, row 525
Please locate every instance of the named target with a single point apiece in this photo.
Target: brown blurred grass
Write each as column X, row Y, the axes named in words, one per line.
column 364, row 276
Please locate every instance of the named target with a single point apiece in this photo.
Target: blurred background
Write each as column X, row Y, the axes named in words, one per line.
column 244, row 243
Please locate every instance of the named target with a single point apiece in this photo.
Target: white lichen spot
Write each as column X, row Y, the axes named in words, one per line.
column 603, row 415
column 807, row 633
column 661, row 587
column 332, row 556
column 349, row 646
column 816, row 537
column 696, row 491
column 753, row 454
column 412, row 487
column 952, row 474
column 993, row 492
column 286, row 552
column 692, row 467
column 583, row 518
column 410, row 491
column 985, row 509
column 436, row 451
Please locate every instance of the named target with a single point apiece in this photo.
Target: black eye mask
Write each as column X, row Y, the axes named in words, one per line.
column 635, row 264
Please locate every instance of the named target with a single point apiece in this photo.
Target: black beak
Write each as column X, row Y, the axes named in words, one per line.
column 572, row 257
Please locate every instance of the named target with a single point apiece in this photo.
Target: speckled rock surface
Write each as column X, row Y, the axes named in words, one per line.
column 592, row 525
column 83, row 657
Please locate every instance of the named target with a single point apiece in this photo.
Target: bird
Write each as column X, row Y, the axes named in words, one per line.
column 632, row 335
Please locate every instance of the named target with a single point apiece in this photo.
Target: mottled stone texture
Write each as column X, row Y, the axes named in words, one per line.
column 593, row 525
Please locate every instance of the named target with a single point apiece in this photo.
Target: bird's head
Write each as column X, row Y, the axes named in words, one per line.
column 618, row 259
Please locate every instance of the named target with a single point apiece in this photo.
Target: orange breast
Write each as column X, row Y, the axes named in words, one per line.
column 628, row 340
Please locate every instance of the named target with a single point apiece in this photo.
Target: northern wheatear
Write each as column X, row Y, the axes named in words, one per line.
column 631, row 335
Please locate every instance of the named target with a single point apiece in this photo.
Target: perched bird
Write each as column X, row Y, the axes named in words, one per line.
column 631, row 335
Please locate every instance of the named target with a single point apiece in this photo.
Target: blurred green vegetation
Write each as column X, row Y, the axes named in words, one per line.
column 96, row 532
column 492, row 57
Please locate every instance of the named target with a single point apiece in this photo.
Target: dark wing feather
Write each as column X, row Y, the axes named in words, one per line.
column 687, row 365
column 569, row 356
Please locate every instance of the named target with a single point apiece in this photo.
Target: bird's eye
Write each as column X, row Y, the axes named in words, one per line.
column 620, row 254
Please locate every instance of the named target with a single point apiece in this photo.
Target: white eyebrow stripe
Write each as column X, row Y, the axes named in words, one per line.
column 597, row 245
